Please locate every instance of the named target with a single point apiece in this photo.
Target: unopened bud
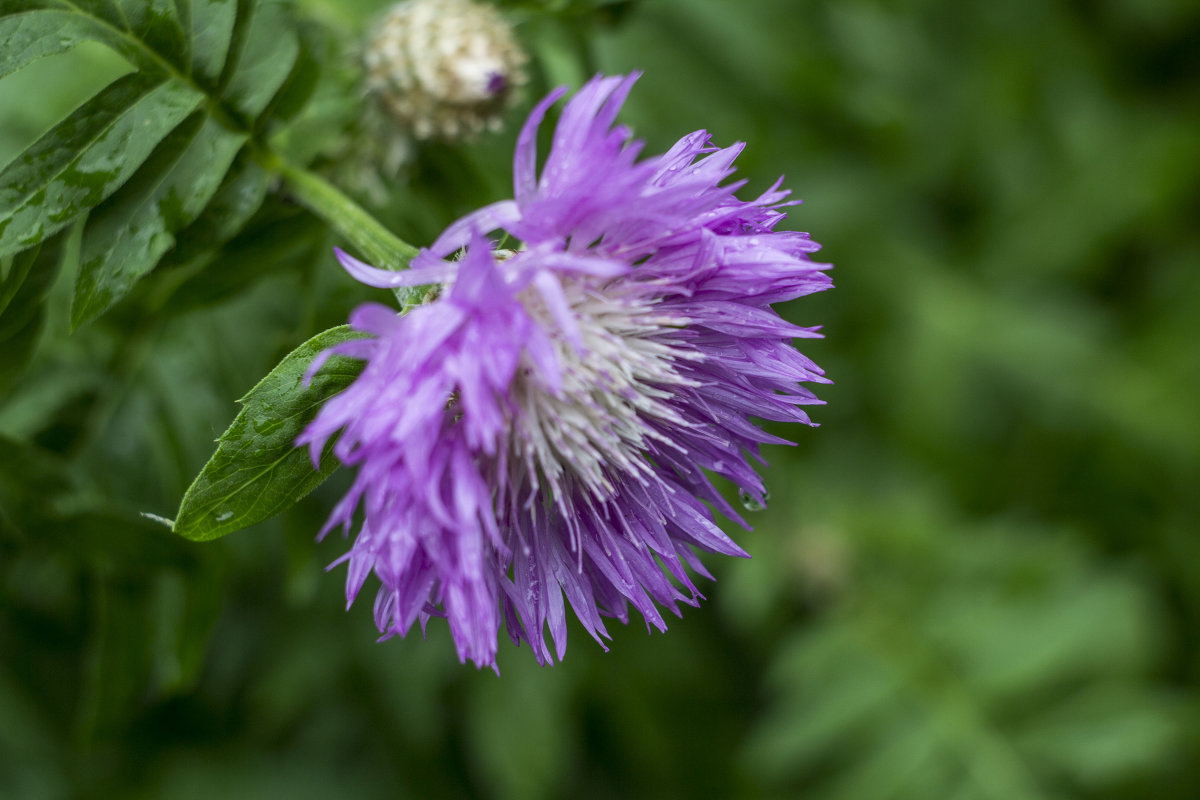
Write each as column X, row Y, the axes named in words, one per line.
column 443, row 68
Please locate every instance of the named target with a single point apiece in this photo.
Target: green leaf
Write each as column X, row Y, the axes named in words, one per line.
column 30, row 32
column 244, row 55
column 27, row 36
column 157, row 24
column 264, row 59
column 240, row 195
column 271, row 243
column 126, row 236
column 188, row 607
column 257, row 471
column 30, row 480
column 205, row 266
column 244, row 65
column 117, row 669
column 301, row 83
column 22, row 309
column 85, row 158
column 1106, row 733
column 1018, row 657
column 18, row 349
column 210, row 31
column 14, row 277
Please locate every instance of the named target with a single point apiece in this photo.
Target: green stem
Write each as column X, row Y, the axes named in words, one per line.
column 376, row 243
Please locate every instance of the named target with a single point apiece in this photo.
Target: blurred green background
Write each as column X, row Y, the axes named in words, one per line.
column 980, row 578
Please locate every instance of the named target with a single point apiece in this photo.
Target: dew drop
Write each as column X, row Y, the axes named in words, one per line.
column 752, row 503
column 224, row 515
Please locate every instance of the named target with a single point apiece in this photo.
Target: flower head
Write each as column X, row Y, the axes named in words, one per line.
column 548, row 426
column 443, row 68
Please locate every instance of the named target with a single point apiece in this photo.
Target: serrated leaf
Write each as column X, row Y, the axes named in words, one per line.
column 87, row 157
column 126, row 236
column 266, row 52
column 257, row 472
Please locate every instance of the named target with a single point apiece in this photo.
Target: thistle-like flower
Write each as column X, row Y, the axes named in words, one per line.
column 550, row 424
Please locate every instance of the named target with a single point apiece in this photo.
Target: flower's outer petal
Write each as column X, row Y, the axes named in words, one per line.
column 489, row 218
column 525, row 157
column 389, row 279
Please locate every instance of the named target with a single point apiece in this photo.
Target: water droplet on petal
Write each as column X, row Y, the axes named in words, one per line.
column 752, row 503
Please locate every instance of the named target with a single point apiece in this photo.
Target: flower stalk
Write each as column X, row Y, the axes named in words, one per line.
column 365, row 233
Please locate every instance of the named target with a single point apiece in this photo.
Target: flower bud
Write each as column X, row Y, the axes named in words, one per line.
column 443, row 68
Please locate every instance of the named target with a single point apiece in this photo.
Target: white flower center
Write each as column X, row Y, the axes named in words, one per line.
column 612, row 386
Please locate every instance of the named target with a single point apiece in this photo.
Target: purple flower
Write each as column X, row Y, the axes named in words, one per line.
column 549, row 425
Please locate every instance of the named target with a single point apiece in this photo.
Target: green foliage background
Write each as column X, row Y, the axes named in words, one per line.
column 980, row 578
